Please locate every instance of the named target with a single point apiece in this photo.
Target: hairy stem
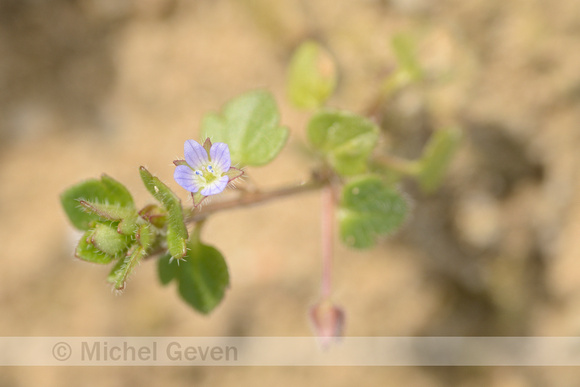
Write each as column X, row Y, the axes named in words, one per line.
column 253, row 198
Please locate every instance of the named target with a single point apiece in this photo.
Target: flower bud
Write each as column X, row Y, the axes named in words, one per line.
column 327, row 321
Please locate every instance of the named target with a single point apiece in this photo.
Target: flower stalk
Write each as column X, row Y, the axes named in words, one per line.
column 246, row 199
column 327, row 319
column 327, row 226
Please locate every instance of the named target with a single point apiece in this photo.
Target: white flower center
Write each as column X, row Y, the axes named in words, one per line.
column 208, row 174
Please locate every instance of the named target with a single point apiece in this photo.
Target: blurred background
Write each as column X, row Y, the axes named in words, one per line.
column 93, row 86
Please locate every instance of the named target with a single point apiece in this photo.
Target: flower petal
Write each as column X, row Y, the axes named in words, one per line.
column 216, row 186
column 194, row 154
column 186, row 177
column 220, row 156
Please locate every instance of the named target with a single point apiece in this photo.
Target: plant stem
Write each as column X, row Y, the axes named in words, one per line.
column 254, row 198
column 327, row 223
column 406, row 167
column 196, row 233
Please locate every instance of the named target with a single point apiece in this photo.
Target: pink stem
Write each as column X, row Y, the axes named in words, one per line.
column 327, row 238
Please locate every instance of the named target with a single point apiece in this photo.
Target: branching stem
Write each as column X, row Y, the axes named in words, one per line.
column 247, row 199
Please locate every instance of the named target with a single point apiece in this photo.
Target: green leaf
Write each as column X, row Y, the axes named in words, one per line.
column 122, row 270
column 87, row 252
column 127, row 217
column 128, row 226
column 106, row 239
column 114, row 212
column 176, row 230
column 249, row 124
column 404, row 47
column 167, row 269
column 311, row 76
column 436, row 158
column 106, row 191
column 176, row 244
column 125, row 266
column 145, row 236
column 369, row 209
column 159, row 190
column 203, row 277
column 345, row 139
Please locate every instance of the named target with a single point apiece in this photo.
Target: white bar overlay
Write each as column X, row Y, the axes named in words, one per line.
column 289, row 351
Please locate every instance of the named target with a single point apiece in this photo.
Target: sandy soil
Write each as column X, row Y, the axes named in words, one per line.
column 97, row 86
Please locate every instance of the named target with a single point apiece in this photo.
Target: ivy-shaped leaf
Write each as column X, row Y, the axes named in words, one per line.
column 345, row 139
column 106, row 192
column 369, row 209
column 167, row 269
column 249, row 124
column 203, row 277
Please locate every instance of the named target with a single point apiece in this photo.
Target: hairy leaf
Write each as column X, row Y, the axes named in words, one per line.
column 106, row 239
column 249, row 124
column 87, row 252
column 106, row 191
column 369, row 209
column 176, row 230
column 345, row 139
column 125, row 266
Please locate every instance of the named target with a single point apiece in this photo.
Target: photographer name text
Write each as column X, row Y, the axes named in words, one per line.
column 173, row 351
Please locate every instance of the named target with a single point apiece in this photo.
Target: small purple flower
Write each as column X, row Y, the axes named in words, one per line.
column 206, row 169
